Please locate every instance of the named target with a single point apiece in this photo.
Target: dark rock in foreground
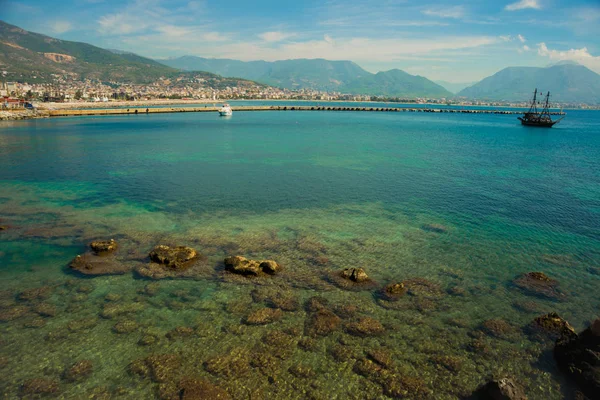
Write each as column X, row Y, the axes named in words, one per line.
column 579, row 357
column 539, row 284
column 501, row 389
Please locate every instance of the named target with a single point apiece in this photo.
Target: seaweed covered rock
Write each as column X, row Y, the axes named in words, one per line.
column 176, row 258
column 322, row 323
column 393, row 291
column 159, row 367
column 78, row 371
column 94, row 264
column 549, row 326
column 264, row 316
column 501, row 389
column 39, row 387
column 243, row 266
column 103, row 247
column 539, row 284
column 352, row 279
column 200, row 389
column 578, row 356
column 357, row 275
column 365, row 326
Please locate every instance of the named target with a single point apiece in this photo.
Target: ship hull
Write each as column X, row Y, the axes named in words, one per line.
column 540, row 124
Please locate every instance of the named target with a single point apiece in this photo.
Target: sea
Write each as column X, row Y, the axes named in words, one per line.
column 455, row 207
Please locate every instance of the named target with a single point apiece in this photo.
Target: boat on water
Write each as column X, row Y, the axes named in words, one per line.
column 533, row 117
column 225, row 111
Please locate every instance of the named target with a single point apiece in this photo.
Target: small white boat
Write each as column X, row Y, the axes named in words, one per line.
column 225, row 111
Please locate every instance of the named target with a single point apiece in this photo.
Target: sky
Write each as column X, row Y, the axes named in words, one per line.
column 454, row 41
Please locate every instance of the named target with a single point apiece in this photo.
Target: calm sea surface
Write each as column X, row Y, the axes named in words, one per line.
column 455, row 206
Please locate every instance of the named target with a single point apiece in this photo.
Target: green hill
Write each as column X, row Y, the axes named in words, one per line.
column 396, row 83
column 317, row 74
column 32, row 57
column 567, row 83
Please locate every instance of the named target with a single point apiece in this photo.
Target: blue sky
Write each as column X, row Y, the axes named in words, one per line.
column 456, row 41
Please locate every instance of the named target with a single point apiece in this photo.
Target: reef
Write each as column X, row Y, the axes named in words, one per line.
column 539, row 284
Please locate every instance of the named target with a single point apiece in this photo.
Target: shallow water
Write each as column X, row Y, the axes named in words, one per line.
column 467, row 203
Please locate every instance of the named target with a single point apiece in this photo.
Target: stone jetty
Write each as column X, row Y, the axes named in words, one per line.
column 160, row 110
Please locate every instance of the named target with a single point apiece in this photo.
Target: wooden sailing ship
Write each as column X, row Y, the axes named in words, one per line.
column 533, row 117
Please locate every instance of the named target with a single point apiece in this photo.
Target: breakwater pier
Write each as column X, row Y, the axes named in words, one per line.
column 155, row 110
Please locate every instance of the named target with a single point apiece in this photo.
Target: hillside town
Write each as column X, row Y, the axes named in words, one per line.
column 23, row 94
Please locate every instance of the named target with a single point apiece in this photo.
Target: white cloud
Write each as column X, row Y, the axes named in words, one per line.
column 521, row 38
column 582, row 56
column 120, row 24
column 275, row 36
column 450, row 12
column 520, row 5
column 506, row 38
column 526, row 48
column 60, row 26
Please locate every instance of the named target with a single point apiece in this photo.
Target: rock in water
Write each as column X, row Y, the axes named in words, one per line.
column 501, row 389
column 357, row 275
column 393, row 291
column 549, row 326
column 270, row 267
column 176, row 258
column 243, row 266
column 539, row 284
column 579, row 357
column 103, row 246
column 93, row 264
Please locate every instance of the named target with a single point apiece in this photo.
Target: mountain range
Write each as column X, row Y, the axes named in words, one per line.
column 567, row 83
column 32, row 57
column 318, row 74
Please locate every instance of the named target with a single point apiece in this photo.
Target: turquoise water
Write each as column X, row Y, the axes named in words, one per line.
column 467, row 203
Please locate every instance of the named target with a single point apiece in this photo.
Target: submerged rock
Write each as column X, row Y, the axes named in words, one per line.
column 176, row 258
column 501, row 389
column 126, row 326
column 94, row 264
column 200, row 389
column 243, row 266
column 322, row 323
column 539, row 284
column 264, row 316
column 101, row 247
column 365, row 326
column 550, row 326
column 35, row 294
column 39, row 387
column 78, row 371
column 436, row 228
column 578, row 356
column 394, row 291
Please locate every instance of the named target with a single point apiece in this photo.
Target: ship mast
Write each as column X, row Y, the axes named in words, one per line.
column 533, row 108
column 546, row 110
